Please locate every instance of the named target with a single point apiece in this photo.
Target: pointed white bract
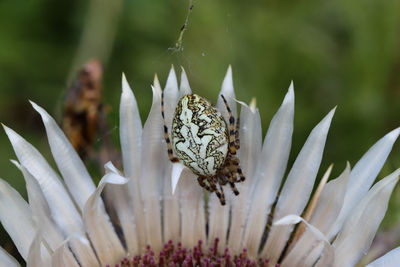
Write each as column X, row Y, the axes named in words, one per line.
column 219, row 215
column 7, row 260
column 38, row 254
column 176, row 172
column 153, row 201
column 218, row 222
column 390, row 259
column 328, row 253
column 171, row 97
column 131, row 140
column 250, row 148
column 62, row 207
column 294, row 219
column 101, row 232
column 324, row 216
column 16, row 218
column 360, row 227
column 82, row 250
column 152, row 169
column 40, row 210
column 184, row 88
column 191, row 203
column 298, row 186
column 171, row 217
column 66, row 219
column 118, row 198
column 72, row 169
column 63, row 257
column 331, row 201
column 130, row 134
column 229, row 94
column 271, row 166
column 171, row 225
column 363, row 175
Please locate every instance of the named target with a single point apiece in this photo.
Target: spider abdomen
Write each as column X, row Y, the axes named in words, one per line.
column 199, row 135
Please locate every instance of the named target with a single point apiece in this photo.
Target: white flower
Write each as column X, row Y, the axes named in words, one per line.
column 66, row 223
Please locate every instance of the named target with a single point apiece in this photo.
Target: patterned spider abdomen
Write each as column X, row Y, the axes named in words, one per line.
column 199, row 135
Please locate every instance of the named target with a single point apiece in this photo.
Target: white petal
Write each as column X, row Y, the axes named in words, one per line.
column 390, row 259
column 7, row 260
column 324, row 216
column 171, row 212
column 171, row 209
column 130, row 132
column 219, row 215
column 117, row 196
column 171, row 91
column 250, row 146
column 62, row 208
column 82, row 249
column 363, row 175
column 270, row 169
column 72, row 169
column 298, row 186
column 171, row 80
column 171, row 223
column 131, row 140
column 218, row 221
column 98, row 225
column 50, row 232
column 294, row 219
column 156, row 85
column 110, row 168
column 184, row 86
column 41, row 211
column 327, row 258
column 38, row 254
column 302, row 261
column 153, row 166
column 177, row 169
column 16, row 217
column 331, row 201
column 360, row 227
column 171, row 95
column 191, row 195
column 200, row 224
column 63, row 257
column 229, row 94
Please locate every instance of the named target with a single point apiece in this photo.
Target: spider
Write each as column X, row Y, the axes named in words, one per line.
column 203, row 143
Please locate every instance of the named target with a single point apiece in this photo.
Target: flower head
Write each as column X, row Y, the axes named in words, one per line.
column 68, row 223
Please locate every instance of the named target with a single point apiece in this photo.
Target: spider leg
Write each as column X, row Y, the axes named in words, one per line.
column 237, row 140
column 230, row 177
column 222, row 180
column 242, row 177
column 232, row 133
column 167, row 140
column 233, row 177
column 233, row 170
column 201, row 179
column 234, row 189
column 220, row 194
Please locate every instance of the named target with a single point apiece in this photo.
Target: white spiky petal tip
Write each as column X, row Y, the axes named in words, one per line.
column 162, row 215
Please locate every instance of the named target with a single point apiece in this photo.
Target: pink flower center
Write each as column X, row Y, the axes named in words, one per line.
column 175, row 255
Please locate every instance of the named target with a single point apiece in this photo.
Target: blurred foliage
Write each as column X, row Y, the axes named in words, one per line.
column 344, row 53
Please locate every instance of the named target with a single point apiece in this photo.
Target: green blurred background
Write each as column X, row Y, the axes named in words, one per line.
column 338, row 52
